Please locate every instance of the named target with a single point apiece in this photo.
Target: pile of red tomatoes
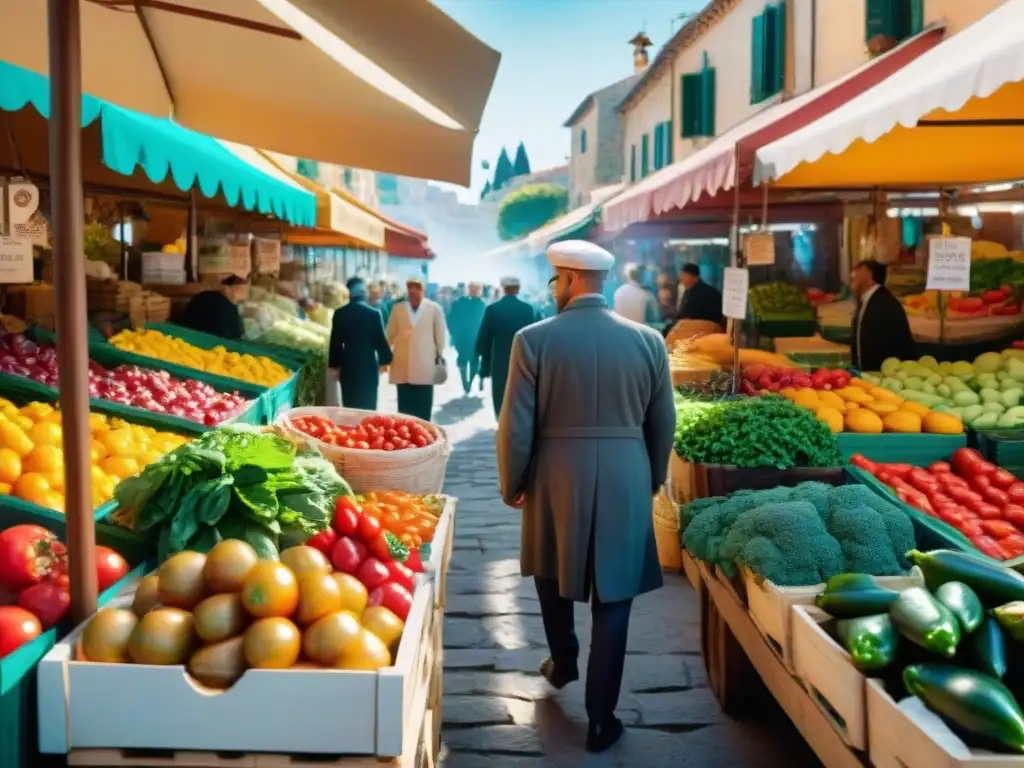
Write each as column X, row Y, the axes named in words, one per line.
column 374, row 433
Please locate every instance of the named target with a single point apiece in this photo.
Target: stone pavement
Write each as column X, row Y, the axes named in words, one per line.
column 499, row 712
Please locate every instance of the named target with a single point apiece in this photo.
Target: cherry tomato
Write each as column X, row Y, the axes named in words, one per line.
column 394, row 597
column 940, row 468
column 998, row 529
column 1016, row 493
column 988, row 546
column 1003, row 479
column 324, row 541
column 17, row 627
column 388, row 446
column 110, row 568
column 346, row 516
column 1015, row 514
column 369, row 529
column 419, row 441
column 996, row 496
column 970, row 528
column 47, row 601
column 401, row 574
column 373, row 573
column 1012, row 546
column 348, row 554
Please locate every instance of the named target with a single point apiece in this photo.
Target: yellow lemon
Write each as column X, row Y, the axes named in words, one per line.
column 10, row 466
column 97, row 450
column 118, row 442
column 12, row 436
column 54, row 500
column 24, row 422
column 36, row 411
column 98, row 423
column 32, row 487
column 120, row 466
column 55, row 477
column 46, row 433
column 44, row 458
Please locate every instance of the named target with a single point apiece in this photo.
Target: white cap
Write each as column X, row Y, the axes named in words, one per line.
column 580, row 254
column 510, row 282
column 415, row 279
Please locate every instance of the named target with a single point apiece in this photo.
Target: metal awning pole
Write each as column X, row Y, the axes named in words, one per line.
column 737, row 261
column 64, row 23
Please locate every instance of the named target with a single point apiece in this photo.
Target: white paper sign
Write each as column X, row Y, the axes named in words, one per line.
column 268, row 255
column 22, row 201
column 735, row 287
column 759, row 249
column 15, row 261
column 949, row 264
column 240, row 259
column 35, row 230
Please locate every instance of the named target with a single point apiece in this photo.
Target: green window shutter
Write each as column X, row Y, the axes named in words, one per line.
column 757, row 59
column 778, row 17
column 669, row 142
column 691, row 105
column 916, row 20
column 878, row 17
column 632, row 163
column 645, row 155
column 583, row 141
column 308, row 168
column 657, row 147
column 707, row 102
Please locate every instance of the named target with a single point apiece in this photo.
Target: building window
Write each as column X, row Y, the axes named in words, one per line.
column 697, row 104
column 632, row 163
column 583, row 141
column 893, row 21
column 662, row 145
column 768, row 53
column 308, row 168
column 645, row 155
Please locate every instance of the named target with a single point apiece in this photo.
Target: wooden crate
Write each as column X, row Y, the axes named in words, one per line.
column 771, row 606
column 441, row 550
column 110, row 295
column 692, row 569
column 835, row 686
column 897, row 739
column 330, row 713
column 681, row 483
column 666, row 532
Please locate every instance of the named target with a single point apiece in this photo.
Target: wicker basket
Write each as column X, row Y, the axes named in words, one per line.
column 414, row 470
column 681, row 485
column 666, row 533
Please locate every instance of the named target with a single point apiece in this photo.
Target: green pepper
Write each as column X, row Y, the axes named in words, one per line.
column 971, row 702
column 854, row 603
column 925, row 621
column 963, row 603
column 1011, row 618
column 871, row 641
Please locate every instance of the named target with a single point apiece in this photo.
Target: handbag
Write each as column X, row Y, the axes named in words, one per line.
column 440, row 371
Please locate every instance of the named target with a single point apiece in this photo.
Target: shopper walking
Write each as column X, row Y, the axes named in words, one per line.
column 502, row 320
column 417, row 334
column 358, row 348
column 464, row 320
column 583, row 444
column 633, row 301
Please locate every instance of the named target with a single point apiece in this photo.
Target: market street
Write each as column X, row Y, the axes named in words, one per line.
column 496, row 704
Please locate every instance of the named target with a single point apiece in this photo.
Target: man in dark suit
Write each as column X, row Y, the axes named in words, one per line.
column 700, row 301
column 502, row 320
column 213, row 312
column 880, row 327
column 359, row 348
column 464, row 320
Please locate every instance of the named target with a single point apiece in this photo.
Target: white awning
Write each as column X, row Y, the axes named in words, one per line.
column 975, row 63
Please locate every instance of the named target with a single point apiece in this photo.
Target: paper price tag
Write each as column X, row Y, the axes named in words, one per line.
column 949, row 264
column 239, row 259
column 735, row 288
column 15, row 260
column 268, row 255
column 759, row 249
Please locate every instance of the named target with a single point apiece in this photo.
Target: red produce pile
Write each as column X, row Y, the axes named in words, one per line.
column 34, row 582
column 762, row 378
column 374, row 433
column 982, row 501
column 155, row 391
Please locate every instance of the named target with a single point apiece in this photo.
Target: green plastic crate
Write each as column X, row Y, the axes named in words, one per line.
column 891, row 448
column 18, row 713
column 1002, row 447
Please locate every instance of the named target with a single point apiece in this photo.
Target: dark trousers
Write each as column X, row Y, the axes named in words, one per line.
column 607, row 644
column 360, row 393
column 469, row 367
column 416, row 400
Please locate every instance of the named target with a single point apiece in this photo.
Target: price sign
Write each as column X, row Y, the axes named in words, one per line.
column 239, row 259
column 268, row 255
column 735, row 287
column 759, row 249
column 15, row 260
column 949, row 264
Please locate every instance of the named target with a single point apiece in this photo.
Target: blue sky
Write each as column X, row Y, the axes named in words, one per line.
column 554, row 52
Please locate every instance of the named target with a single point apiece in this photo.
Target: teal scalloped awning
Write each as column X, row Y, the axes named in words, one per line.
column 160, row 147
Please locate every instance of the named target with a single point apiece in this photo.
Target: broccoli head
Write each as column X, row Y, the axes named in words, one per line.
column 785, row 542
column 898, row 525
column 708, row 524
column 817, row 494
column 865, row 541
column 695, row 507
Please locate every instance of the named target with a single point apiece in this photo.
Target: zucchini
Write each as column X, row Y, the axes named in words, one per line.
column 963, row 603
column 925, row 621
column 970, row 702
column 857, row 602
column 987, row 649
column 871, row 641
column 849, row 582
column 1011, row 619
column 992, row 583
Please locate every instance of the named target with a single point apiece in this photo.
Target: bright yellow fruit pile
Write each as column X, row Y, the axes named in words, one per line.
column 252, row 368
column 864, row 408
column 32, row 457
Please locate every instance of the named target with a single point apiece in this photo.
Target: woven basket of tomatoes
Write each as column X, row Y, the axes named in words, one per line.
column 375, row 451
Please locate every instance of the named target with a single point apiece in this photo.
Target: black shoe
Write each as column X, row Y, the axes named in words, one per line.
column 557, row 676
column 603, row 737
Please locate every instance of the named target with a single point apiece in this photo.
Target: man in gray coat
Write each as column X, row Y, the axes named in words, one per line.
column 584, row 438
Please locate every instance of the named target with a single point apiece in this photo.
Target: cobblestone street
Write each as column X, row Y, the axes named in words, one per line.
column 500, row 713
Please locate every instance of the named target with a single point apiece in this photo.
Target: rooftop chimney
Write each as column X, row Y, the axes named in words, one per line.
column 640, row 43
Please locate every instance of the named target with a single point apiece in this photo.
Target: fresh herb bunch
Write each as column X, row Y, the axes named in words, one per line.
column 236, row 482
column 765, row 431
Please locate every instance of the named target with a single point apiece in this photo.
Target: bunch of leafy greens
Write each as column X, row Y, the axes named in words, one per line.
column 767, row 431
column 235, row 482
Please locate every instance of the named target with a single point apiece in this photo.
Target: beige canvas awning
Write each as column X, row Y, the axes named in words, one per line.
column 392, row 85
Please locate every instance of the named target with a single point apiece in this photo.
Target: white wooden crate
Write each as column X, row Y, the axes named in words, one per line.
column 771, row 606
column 836, row 687
column 898, row 739
column 293, row 711
column 441, row 548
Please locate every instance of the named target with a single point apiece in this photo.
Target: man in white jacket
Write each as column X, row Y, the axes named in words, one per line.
column 418, row 335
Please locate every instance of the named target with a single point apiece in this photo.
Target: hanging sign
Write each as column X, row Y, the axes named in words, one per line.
column 759, row 249
column 22, row 201
column 15, row 260
column 735, row 289
column 223, row 257
column 949, row 264
column 239, row 259
column 35, row 230
column 268, row 255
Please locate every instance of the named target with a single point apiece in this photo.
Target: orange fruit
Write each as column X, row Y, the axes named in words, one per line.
column 33, row 487
column 381, row 622
column 319, row 595
column 5, row 489
column 368, row 652
column 10, row 465
column 12, row 436
column 118, row 442
column 97, row 450
column 272, row 643
column 270, row 589
column 55, row 477
column 55, row 501
column 36, row 411
column 46, row 433
column 353, row 593
column 44, row 458
column 120, row 466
